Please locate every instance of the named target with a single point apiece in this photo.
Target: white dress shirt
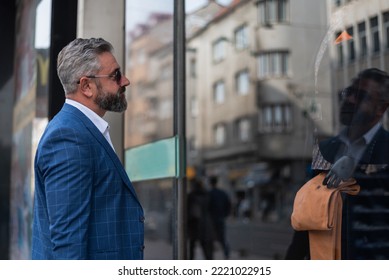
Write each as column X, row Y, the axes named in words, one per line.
column 98, row 121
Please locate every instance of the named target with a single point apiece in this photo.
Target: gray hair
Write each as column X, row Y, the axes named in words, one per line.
column 80, row 58
column 380, row 77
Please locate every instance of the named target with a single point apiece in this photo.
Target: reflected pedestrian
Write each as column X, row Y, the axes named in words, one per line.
column 199, row 223
column 220, row 208
column 359, row 151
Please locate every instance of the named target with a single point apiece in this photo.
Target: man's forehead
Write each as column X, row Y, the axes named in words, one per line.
column 108, row 60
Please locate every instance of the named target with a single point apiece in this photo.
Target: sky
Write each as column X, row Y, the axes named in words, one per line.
column 138, row 11
column 191, row 5
column 42, row 29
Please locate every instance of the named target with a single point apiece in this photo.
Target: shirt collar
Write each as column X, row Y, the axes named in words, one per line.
column 98, row 121
column 367, row 137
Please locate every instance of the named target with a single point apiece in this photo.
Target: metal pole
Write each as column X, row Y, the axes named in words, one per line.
column 179, row 188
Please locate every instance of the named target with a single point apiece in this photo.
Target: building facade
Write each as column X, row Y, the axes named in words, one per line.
column 258, row 97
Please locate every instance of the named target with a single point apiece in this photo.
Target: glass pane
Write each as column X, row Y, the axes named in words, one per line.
column 298, row 63
column 149, row 66
column 150, row 146
column 156, row 197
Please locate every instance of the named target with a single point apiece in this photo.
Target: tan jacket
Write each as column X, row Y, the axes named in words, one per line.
column 318, row 210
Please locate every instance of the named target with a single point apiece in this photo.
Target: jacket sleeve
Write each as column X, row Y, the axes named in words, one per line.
column 66, row 165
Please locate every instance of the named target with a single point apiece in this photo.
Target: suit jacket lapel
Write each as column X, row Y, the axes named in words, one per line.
column 330, row 148
column 101, row 139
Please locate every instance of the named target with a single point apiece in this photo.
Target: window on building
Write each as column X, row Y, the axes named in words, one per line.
column 351, row 45
column 141, row 57
column 166, row 72
column 273, row 64
column 272, row 11
column 219, row 92
column 241, row 37
column 362, row 39
column 192, row 144
column 339, row 50
column 385, row 17
column 219, row 50
column 242, row 82
column 275, row 118
column 165, row 109
column 375, row 34
column 194, row 109
column 193, row 68
column 219, row 133
column 243, row 128
column 337, row 3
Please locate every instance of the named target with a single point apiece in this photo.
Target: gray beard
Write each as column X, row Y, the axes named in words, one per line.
column 112, row 102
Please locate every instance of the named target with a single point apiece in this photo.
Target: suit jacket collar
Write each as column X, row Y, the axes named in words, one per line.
column 375, row 152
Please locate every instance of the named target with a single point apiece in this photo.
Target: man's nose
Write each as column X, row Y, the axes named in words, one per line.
column 125, row 81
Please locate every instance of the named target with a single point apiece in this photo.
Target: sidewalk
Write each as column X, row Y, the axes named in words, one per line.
column 161, row 250
column 254, row 240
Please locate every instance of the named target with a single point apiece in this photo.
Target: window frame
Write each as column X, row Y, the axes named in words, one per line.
column 273, row 64
column 219, row 97
column 268, row 115
column 241, row 37
column 220, row 134
column 219, row 50
column 239, row 81
column 272, row 11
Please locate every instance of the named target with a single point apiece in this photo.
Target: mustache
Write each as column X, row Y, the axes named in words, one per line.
column 120, row 91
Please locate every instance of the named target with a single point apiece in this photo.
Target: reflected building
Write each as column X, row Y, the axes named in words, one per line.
column 258, row 95
column 150, row 99
column 367, row 42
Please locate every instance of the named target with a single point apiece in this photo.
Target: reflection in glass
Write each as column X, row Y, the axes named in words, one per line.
column 149, row 65
column 156, row 198
column 259, row 96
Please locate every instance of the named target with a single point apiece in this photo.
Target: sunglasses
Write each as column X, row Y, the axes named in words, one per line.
column 359, row 94
column 116, row 76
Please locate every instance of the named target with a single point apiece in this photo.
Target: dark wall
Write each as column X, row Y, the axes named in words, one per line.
column 62, row 32
column 7, row 33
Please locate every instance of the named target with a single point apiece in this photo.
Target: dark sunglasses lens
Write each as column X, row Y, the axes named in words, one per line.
column 359, row 94
column 118, row 76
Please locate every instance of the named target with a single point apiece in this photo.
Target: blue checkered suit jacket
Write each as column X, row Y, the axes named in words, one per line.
column 85, row 206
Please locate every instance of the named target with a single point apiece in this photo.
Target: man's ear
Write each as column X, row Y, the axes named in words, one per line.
column 85, row 87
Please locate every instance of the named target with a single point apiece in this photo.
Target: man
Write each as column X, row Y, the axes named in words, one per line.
column 361, row 151
column 199, row 223
column 219, row 209
column 85, row 205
